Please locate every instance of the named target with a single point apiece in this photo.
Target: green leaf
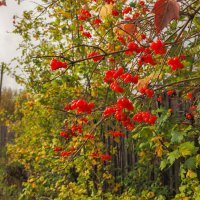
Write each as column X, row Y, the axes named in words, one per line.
column 177, row 136
column 190, row 163
column 187, row 149
column 163, row 164
column 198, row 107
column 173, row 156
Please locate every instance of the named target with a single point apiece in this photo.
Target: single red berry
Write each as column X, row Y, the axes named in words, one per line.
column 136, row 15
column 111, row 59
column 141, row 3
column 189, row 116
column 159, row 99
column 170, row 92
column 193, row 107
column 189, row 95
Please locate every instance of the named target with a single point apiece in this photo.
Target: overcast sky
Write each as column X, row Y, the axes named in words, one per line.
column 8, row 41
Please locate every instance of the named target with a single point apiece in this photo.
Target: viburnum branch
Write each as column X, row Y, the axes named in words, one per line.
column 82, row 145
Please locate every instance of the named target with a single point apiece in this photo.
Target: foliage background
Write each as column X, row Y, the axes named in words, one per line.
column 150, row 162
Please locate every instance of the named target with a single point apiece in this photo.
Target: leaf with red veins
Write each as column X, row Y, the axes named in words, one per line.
column 165, row 11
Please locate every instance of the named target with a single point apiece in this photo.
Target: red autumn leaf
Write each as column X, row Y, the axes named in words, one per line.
column 165, row 11
column 2, row 3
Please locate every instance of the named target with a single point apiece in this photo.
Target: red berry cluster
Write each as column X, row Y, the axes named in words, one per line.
column 124, row 103
column 56, row 64
column 97, row 21
column 86, row 34
column 158, row 47
column 81, row 27
column 141, row 3
column 117, row 134
column 83, row 119
column 147, row 91
column 84, row 14
column 65, row 153
column 146, row 59
column 126, row 10
column 119, row 114
column 76, row 128
column 175, row 63
column 115, row 86
column 132, row 47
column 112, row 76
column 72, row 131
column 115, row 13
column 109, row 1
column 57, row 149
column 81, row 105
column 104, row 157
column 89, row 136
column 96, row 56
column 122, row 40
column 145, row 117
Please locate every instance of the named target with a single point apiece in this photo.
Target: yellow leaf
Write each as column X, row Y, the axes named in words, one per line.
column 185, row 198
column 94, row 93
column 198, row 159
column 117, row 139
column 142, row 154
column 150, row 195
column 159, row 151
column 107, row 175
column 31, row 180
column 105, row 10
column 94, row 162
column 116, row 188
column 37, row 158
column 157, row 139
column 191, row 174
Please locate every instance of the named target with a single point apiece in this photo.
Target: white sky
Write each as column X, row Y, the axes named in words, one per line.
column 9, row 41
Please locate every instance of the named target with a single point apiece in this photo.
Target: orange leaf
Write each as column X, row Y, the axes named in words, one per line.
column 165, row 11
column 125, row 28
column 145, row 81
